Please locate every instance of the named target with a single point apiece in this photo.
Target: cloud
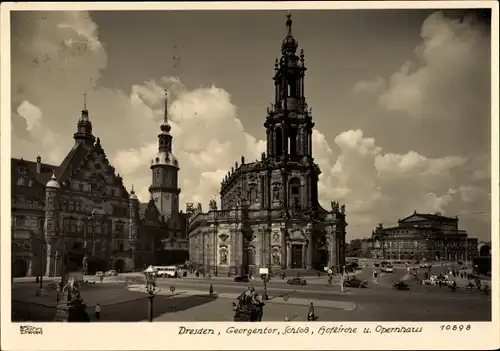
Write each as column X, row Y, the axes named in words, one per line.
column 59, row 57
column 369, row 86
column 447, row 77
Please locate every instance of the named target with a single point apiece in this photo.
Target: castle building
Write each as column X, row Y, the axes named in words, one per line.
column 81, row 209
column 270, row 215
column 424, row 236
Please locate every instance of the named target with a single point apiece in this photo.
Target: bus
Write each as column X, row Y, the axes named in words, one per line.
column 166, row 271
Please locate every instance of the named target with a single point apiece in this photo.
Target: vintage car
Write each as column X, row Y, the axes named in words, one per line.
column 242, row 279
column 401, row 285
column 387, row 268
column 355, row 283
column 296, row 281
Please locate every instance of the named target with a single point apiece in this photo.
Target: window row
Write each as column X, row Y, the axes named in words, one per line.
column 24, row 181
column 30, row 204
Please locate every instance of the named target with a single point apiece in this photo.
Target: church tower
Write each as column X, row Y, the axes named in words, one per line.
column 289, row 127
column 83, row 133
column 164, row 168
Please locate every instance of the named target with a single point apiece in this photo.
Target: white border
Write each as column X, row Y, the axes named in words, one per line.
column 144, row 335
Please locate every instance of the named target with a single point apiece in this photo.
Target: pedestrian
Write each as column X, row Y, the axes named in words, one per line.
column 98, row 312
column 37, row 280
column 101, row 277
column 310, row 315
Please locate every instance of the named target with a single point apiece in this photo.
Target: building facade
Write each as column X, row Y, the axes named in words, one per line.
column 270, row 215
column 81, row 209
column 419, row 236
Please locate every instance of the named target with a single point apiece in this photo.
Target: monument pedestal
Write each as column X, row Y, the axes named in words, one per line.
column 62, row 308
column 71, row 309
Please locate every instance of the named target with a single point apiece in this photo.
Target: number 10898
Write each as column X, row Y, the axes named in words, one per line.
column 455, row 327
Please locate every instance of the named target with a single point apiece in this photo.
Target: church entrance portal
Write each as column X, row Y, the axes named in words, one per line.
column 119, row 266
column 297, row 256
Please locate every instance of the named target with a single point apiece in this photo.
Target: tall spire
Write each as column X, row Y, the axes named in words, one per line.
column 165, row 127
column 85, row 101
column 165, row 116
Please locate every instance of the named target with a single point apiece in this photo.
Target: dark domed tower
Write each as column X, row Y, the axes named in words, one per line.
column 84, row 128
column 165, row 167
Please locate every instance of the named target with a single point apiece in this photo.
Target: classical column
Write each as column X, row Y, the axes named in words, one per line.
column 262, row 248
column 304, row 256
column 283, row 248
column 240, row 248
column 309, row 256
column 288, row 256
column 29, row 271
column 332, row 247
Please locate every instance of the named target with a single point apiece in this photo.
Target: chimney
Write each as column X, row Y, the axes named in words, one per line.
column 38, row 164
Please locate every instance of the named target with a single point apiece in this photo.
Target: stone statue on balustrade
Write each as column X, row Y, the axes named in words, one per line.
column 213, row 205
column 335, row 206
column 342, row 209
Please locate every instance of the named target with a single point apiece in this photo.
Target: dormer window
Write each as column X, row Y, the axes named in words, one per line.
column 21, row 169
column 20, row 181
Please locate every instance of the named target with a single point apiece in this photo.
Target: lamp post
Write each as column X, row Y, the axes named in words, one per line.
column 265, row 279
column 42, row 242
column 150, row 275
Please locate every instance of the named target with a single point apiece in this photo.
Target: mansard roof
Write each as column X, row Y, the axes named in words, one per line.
column 43, row 177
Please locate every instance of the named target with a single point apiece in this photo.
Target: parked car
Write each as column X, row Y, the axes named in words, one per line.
column 424, row 265
column 355, row 283
column 387, row 269
column 296, row 281
column 401, row 285
column 99, row 273
column 110, row 273
column 242, row 279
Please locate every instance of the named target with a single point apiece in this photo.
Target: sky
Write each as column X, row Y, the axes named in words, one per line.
column 400, row 98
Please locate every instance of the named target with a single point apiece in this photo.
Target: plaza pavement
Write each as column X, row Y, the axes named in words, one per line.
column 191, row 301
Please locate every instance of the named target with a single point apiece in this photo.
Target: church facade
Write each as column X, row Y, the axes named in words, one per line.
column 270, row 215
column 80, row 211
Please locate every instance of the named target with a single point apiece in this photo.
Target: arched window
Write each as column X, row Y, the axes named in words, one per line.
column 295, row 187
column 278, row 135
column 292, row 144
column 251, row 256
column 252, row 193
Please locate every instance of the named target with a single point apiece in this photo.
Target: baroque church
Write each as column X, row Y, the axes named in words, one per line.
column 270, row 216
column 79, row 216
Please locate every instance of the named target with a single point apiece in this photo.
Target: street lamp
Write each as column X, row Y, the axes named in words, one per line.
column 150, row 275
column 264, row 274
column 43, row 246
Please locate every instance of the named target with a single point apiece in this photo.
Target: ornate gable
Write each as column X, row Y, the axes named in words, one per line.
column 94, row 174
